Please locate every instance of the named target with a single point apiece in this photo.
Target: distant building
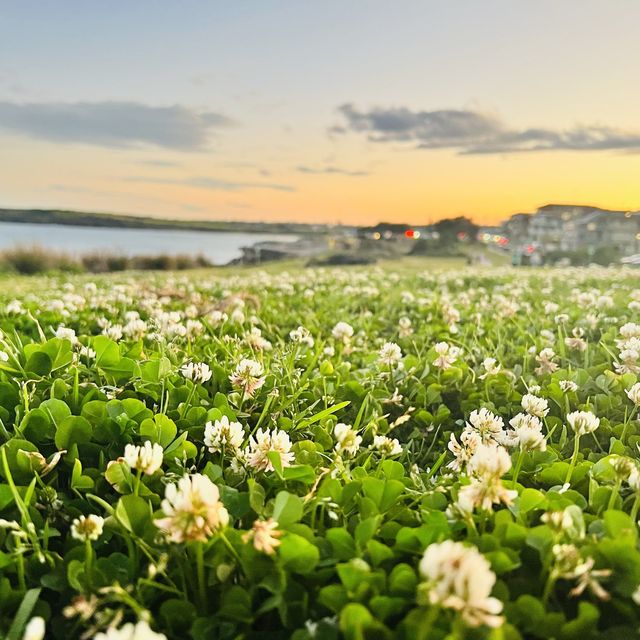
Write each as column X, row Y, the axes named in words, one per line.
column 598, row 229
column 573, row 228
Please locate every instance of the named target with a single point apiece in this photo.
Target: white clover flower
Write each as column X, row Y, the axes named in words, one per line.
column 87, row 352
column 329, row 351
column 486, row 467
column 527, row 430
column 254, row 339
column 265, row 442
column 146, row 458
column 575, row 340
column 447, row 355
column 14, row 307
column 301, row 336
column 463, row 450
column 196, row 372
column 35, row 629
column 404, row 327
column 460, row 578
column 216, row 318
column 113, row 332
column 534, row 405
column 342, row 331
column 634, row 394
column 248, row 376
column 265, row 534
column 491, row 367
column 583, row 422
column 192, row 510
column 568, row 386
column 487, row 425
column 544, row 359
column 390, row 354
column 129, row 631
column 237, row 316
column 489, row 461
column 223, row 433
column 66, row 333
column 630, row 330
column 348, row 441
column 623, row 467
column 387, row 446
column 87, row 527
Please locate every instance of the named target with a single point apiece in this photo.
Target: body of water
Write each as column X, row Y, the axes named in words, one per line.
column 217, row 247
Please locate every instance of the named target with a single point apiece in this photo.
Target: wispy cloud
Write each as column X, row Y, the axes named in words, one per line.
column 113, row 124
column 472, row 132
column 330, row 169
column 215, row 184
column 163, row 164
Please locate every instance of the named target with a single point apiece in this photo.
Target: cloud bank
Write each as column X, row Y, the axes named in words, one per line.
column 113, row 124
column 472, row 132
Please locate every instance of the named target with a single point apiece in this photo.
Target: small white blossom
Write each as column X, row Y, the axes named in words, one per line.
column 534, row 405
column 342, row 331
column 223, row 433
column 387, row 446
column 348, row 441
column 35, row 629
column 87, row 527
column 192, row 510
column 146, row 458
column 390, row 354
column 129, row 631
column 266, row 442
column 196, row 372
column 583, row 422
column 460, row 578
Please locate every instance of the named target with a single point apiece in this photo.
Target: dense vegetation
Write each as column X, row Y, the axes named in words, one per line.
column 35, row 259
column 323, row 454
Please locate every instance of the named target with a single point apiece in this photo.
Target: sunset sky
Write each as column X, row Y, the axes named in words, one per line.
column 335, row 111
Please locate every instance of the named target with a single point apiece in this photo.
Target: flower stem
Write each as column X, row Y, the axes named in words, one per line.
column 634, row 508
column 136, row 489
column 518, row 466
column 614, row 494
column 229, row 546
column 574, row 458
column 187, row 404
column 548, row 588
column 202, row 586
column 88, row 563
column 627, row 420
column 429, row 620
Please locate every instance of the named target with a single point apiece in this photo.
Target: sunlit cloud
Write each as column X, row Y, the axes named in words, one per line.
column 472, row 132
column 331, row 170
column 113, row 124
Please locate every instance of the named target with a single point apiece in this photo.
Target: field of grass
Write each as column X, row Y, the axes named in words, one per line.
column 414, row 450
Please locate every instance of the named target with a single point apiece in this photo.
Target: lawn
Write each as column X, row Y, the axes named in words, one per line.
column 415, row 449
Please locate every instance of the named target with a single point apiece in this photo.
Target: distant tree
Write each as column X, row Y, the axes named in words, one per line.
column 451, row 229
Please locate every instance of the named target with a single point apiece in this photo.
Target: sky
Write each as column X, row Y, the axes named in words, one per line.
column 340, row 111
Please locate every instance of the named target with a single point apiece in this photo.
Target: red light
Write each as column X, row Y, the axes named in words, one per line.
column 409, row 233
column 462, row 235
column 530, row 249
